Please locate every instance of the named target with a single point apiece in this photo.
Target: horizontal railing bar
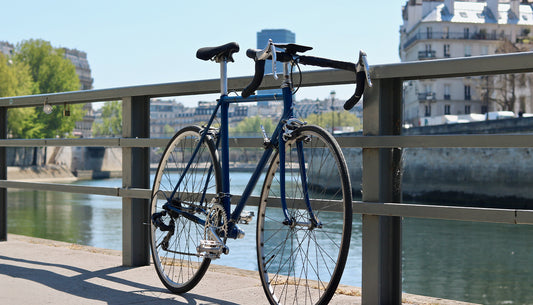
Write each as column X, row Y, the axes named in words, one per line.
column 79, row 189
column 456, row 67
column 441, row 141
column 440, row 68
column 493, row 215
column 421, row 141
column 58, row 187
column 154, row 142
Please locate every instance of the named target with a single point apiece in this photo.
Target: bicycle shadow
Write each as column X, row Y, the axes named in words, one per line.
column 84, row 284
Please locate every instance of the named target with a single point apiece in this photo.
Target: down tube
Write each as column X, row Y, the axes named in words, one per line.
column 251, row 184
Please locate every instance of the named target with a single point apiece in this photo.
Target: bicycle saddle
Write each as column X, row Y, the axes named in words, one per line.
column 223, row 51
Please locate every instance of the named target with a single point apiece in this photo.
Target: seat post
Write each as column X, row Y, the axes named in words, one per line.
column 224, row 77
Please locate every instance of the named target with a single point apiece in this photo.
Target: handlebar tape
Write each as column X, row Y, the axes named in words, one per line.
column 256, row 81
column 360, row 81
column 326, row 63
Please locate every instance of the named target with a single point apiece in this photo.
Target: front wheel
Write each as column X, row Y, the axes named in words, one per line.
column 177, row 222
column 301, row 252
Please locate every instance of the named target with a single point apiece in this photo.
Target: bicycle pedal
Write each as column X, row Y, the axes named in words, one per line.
column 211, row 249
column 246, row 217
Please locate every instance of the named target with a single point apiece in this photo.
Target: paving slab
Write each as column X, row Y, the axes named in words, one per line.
column 40, row 271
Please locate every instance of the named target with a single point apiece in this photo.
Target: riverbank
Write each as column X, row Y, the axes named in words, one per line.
column 65, row 273
column 59, row 173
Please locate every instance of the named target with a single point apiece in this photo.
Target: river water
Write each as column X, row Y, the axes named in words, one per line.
column 476, row 262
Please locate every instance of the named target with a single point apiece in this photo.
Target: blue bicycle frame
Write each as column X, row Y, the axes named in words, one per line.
column 222, row 144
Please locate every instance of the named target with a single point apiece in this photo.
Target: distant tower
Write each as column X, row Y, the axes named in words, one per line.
column 277, row 36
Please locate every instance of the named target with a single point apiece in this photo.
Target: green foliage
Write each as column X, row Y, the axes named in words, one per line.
column 36, row 67
column 168, row 130
column 48, row 66
column 111, row 124
column 15, row 78
column 335, row 119
column 252, row 126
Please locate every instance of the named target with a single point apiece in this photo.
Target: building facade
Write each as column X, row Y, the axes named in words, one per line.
column 6, row 48
column 447, row 29
column 79, row 59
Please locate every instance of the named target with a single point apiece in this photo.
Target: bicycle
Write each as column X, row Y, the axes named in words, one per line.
column 302, row 243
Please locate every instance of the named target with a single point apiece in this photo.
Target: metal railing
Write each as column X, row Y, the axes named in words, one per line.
column 381, row 206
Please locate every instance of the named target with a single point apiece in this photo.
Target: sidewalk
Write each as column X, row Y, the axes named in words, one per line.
column 38, row 271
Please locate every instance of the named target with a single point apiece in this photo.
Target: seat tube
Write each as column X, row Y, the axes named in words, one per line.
column 224, row 137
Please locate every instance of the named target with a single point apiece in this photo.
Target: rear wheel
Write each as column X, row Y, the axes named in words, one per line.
column 301, row 256
column 175, row 229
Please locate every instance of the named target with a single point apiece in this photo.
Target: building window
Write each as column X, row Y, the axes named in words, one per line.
column 445, row 33
column 466, row 33
column 447, row 95
column 467, row 109
column 446, row 50
column 468, row 51
column 428, row 110
column 447, row 109
column 467, row 93
column 484, row 50
column 429, row 32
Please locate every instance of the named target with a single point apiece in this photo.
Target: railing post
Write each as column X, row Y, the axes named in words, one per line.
column 3, row 175
column 381, row 265
column 135, row 174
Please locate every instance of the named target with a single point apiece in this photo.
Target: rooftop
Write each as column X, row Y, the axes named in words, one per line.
column 478, row 12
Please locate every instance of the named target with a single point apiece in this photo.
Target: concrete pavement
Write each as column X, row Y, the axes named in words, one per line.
column 38, row 271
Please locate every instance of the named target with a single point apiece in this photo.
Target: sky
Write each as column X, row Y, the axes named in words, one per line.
column 148, row 42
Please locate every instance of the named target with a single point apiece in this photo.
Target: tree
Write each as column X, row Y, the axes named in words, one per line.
column 111, row 124
column 168, row 130
column 49, row 72
column 16, row 80
column 252, row 126
column 503, row 91
column 335, row 119
column 48, row 66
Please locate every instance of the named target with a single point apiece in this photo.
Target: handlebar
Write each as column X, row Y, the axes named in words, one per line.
column 360, row 68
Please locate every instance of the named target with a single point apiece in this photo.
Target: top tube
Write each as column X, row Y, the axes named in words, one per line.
column 252, row 98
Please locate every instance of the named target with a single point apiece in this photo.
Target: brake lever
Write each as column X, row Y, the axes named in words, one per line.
column 363, row 64
column 269, row 51
column 273, row 49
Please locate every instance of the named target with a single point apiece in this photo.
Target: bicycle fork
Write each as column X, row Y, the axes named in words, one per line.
column 290, row 126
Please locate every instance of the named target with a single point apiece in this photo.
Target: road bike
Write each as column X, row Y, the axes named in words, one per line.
column 304, row 216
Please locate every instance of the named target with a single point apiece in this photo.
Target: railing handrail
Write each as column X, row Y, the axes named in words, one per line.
column 440, row 68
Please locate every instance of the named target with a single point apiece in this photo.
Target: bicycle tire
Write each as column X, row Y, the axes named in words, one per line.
column 298, row 264
column 182, row 269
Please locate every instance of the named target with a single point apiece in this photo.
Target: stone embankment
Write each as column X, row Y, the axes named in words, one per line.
column 40, row 173
column 64, row 163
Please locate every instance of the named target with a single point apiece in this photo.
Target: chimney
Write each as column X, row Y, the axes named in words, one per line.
column 515, row 8
column 449, row 4
column 493, row 7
